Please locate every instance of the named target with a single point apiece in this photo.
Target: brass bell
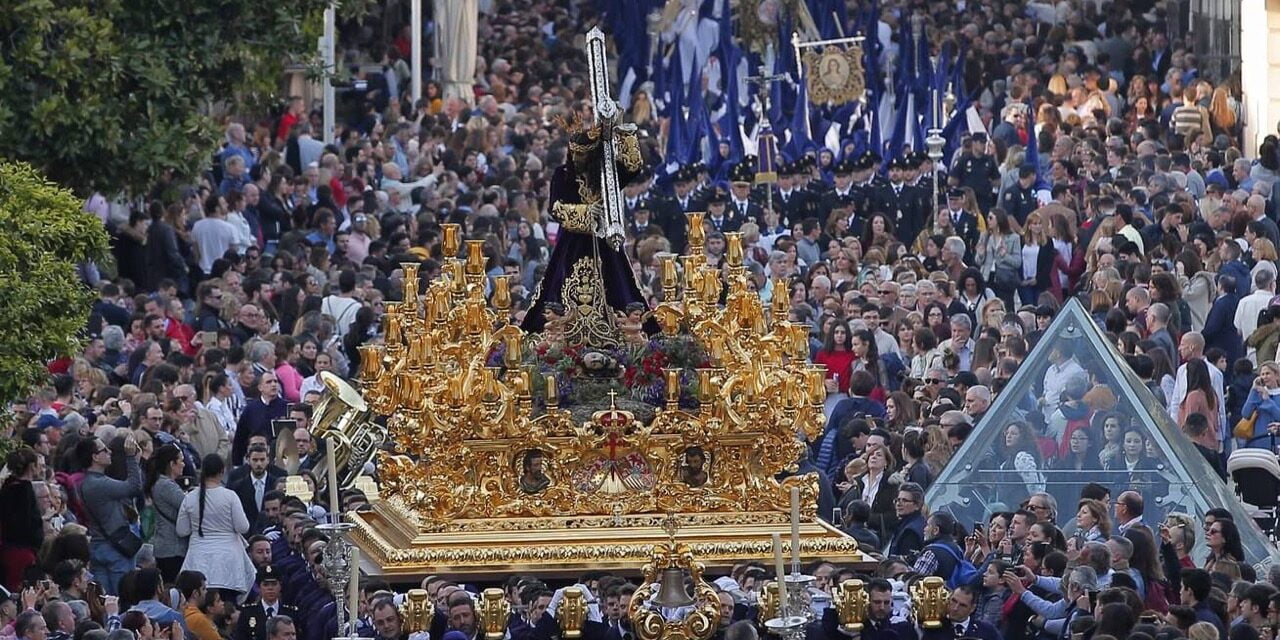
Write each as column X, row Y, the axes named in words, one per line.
column 671, row 591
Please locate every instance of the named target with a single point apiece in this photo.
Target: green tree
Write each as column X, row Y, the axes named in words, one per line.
column 46, row 234
column 110, row 95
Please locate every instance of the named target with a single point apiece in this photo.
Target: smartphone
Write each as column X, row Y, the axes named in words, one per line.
column 209, row 339
column 1093, row 599
column 837, row 516
column 279, row 426
column 977, row 527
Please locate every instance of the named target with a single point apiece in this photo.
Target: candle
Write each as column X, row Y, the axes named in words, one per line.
column 353, row 591
column 553, row 391
column 795, row 527
column 673, row 385
column 332, row 469
column 781, row 574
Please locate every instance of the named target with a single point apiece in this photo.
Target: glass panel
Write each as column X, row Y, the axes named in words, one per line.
column 1075, row 388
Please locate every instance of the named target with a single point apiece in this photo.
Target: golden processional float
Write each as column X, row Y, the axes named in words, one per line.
column 509, row 452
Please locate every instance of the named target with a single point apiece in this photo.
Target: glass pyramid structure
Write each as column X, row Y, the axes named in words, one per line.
column 985, row 476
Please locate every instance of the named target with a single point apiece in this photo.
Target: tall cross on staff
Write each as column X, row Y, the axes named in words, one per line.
column 767, row 171
column 610, row 225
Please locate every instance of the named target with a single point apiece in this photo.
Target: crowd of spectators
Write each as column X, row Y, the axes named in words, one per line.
column 146, row 498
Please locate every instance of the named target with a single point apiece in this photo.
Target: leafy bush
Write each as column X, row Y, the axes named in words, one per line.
column 45, row 235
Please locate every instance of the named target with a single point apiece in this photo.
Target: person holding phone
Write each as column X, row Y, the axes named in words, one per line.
column 112, row 541
column 1264, row 399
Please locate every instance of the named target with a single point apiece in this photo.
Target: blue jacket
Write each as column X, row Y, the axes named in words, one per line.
column 1220, row 327
column 908, row 537
column 1268, row 409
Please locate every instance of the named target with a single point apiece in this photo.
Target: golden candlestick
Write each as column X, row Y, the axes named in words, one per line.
column 670, row 279
column 780, row 304
column 502, row 297
column 851, row 605
column 673, row 385
column 512, row 350
column 370, row 363
column 449, row 244
column 733, row 248
column 410, row 284
column 553, row 391
column 494, row 612
column 697, row 233
column 709, row 281
column 393, row 335
column 458, row 278
column 816, row 376
column 930, row 599
column 475, row 258
column 571, row 614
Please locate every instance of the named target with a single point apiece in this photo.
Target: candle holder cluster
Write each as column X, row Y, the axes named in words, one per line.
column 481, row 442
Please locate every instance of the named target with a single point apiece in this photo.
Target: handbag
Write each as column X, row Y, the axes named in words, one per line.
column 1007, row 277
column 1244, row 428
column 124, row 540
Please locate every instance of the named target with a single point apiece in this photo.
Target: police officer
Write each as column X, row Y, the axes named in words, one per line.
column 903, row 203
column 792, row 203
column 977, row 170
column 866, row 180
column 719, row 214
column 963, row 221
column 1020, row 199
column 253, row 618
column 843, row 191
column 742, row 204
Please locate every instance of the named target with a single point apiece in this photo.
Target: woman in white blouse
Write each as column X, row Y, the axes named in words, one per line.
column 217, row 394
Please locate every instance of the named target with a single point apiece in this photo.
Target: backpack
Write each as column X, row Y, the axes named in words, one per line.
column 964, row 573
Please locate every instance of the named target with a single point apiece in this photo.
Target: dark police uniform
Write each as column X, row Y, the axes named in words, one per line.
column 904, row 204
column 1019, row 202
column 253, row 617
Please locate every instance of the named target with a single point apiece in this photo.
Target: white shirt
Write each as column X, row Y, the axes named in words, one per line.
column 1180, row 393
column 244, row 233
column 1055, row 379
column 213, row 237
column 1247, row 314
column 870, row 487
column 222, row 411
column 343, row 311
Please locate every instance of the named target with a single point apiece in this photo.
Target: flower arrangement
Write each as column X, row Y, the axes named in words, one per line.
column 636, row 369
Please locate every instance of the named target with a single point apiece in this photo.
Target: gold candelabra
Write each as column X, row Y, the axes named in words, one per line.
column 481, row 441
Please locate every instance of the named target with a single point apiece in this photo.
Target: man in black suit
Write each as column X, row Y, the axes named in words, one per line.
column 792, row 203
column 876, row 626
column 741, row 205
column 964, row 222
column 960, row 622
column 684, row 196
column 843, row 191
column 903, row 203
column 718, row 214
column 253, row 618
column 239, row 472
column 253, row 487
